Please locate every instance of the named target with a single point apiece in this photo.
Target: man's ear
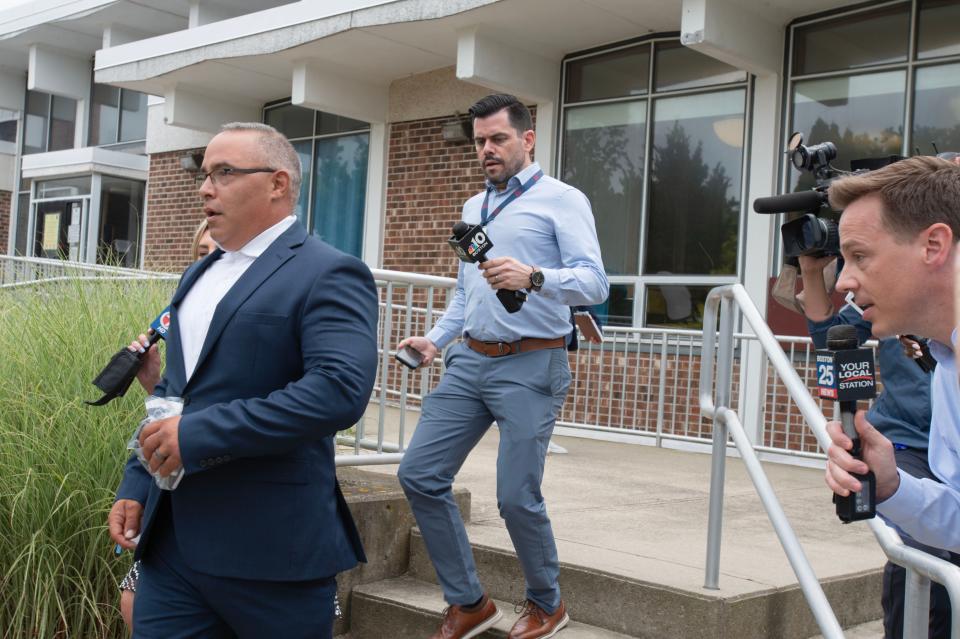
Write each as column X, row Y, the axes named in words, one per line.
column 529, row 140
column 281, row 185
column 938, row 243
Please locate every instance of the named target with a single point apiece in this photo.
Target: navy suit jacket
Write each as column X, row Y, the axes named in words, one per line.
column 290, row 359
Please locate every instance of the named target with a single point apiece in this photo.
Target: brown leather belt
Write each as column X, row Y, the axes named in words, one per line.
column 527, row 344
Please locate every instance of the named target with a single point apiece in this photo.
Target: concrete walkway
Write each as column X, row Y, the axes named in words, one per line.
column 641, row 512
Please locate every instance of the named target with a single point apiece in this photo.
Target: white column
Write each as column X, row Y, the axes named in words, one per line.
column 114, row 35
column 761, row 237
column 202, row 13
column 374, row 214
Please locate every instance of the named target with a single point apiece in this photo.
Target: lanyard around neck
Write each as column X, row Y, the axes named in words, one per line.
column 517, row 192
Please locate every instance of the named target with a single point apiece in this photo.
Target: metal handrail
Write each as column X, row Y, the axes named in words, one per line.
column 921, row 567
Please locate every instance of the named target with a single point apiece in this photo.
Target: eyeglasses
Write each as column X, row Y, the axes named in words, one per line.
column 224, row 174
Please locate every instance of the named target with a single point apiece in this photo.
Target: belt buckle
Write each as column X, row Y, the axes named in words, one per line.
column 500, row 351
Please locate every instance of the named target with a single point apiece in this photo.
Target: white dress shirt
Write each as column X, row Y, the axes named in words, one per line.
column 197, row 309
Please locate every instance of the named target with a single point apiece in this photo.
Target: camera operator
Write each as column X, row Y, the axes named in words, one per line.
column 901, row 413
column 899, row 233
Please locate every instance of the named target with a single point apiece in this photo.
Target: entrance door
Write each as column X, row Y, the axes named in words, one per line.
column 53, row 228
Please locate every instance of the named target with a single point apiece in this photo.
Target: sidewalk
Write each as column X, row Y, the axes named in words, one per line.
column 641, row 512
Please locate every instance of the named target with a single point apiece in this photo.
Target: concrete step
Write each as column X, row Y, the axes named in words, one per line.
column 871, row 630
column 405, row 608
column 639, row 608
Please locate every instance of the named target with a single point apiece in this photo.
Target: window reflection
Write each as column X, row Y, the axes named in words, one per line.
column 105, row 112
column 618, row 309
column 63, row 122
column 679, row 67
column 121, row 219
column 293, row 121
column 675, row 305
column 340, row 183
column 862, row 115
column 133, row 118
column 35, row 129
column 857, row 40
column 936, row 111
column 938, row 36
column 609, row 75
column 603, row 156
column 695, row 177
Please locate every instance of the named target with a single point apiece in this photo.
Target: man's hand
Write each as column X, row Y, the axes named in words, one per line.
column 124, row 522
column 506, row 272
column 877, row 452
column 815, row 265
column 149, row 373
column 425, row 347
column 161, row 445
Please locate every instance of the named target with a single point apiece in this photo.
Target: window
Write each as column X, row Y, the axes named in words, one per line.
column 8, row 131
column 333, row 154
column 50, row 123
column 853, row 81
column 117, row 115
column 660, row 156
column 121, row 220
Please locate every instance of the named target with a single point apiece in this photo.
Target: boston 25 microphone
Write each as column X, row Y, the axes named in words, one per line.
column 471, row 244
column 845, row 373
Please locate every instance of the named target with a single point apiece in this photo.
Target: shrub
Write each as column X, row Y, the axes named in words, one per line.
column 61, row 460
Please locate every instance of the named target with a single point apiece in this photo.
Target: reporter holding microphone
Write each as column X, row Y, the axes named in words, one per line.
column 511, row 367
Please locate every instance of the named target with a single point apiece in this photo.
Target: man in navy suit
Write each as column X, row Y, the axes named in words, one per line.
column 272, row 348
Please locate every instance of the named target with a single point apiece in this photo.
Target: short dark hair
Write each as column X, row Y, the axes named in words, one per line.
column 915, row 192
column 519, row 114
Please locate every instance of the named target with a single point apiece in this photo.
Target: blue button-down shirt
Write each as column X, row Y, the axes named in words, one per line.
column 926, row 510
column 551, row 227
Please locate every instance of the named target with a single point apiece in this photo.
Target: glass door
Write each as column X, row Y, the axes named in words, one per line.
column 56, row 229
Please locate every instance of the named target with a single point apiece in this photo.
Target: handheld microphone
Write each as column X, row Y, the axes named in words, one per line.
column 120, row 371
column 845, row 373
column 471, row 244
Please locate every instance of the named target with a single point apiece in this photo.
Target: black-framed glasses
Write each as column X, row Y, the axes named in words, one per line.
column 223, row 174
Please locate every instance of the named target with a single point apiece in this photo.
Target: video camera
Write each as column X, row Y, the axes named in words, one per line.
column 811, row 234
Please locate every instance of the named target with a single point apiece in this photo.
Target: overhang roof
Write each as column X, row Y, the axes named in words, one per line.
column 251, row 57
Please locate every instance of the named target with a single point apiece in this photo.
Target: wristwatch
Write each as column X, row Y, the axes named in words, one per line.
column 536, row 279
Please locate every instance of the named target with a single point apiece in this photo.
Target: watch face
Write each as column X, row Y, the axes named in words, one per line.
column 536, row 278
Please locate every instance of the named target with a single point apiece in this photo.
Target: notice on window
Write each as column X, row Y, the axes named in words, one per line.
column 51, row 232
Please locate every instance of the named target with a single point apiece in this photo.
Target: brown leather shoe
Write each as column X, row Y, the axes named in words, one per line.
column 459, row 624
column 535, row 623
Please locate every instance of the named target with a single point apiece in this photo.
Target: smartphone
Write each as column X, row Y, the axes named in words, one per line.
column 409, row 357
column 588, row 327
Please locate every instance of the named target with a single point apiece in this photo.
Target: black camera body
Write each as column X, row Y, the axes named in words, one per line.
column 811, row 234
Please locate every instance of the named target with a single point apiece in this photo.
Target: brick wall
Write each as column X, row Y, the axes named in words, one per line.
column 173, row 213
column 5, row 207
column 428, row 180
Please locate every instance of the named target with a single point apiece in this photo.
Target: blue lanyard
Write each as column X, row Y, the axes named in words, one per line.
column 517, row 192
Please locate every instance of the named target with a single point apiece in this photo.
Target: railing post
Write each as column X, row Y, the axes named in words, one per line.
column 724, row 359
column 662, row 391
column 916, row 605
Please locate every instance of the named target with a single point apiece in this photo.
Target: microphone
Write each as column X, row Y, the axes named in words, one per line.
column 120, row 371
column 471, row 245
column 845, row 373
column 801, row 201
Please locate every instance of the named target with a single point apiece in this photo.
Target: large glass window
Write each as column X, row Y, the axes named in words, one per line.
column 333, row 154
column 695, row 184
column 871, row 112
column 117, row 115
column 661, row 159
column 50, row 123
column 121, row 220
column 604, row 152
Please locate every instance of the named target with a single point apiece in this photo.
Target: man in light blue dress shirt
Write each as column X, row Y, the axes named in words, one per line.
column 511, row 368
column 899, row 233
